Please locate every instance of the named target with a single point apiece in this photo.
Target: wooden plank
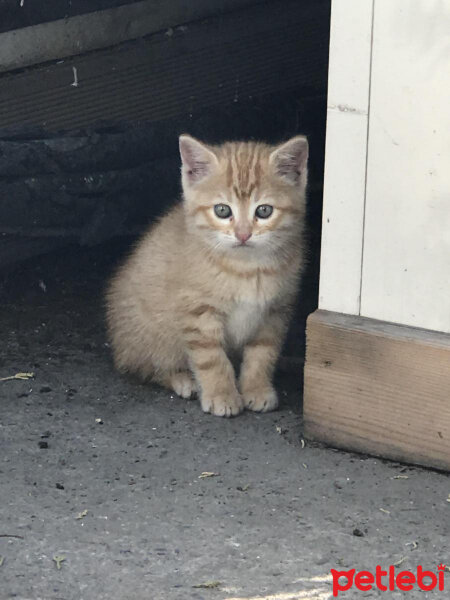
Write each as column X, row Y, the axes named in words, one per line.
column 254, row 52
column 345, row 162
column 15, row 15
column 406, row 267
column 85, row 32
column 378, row 388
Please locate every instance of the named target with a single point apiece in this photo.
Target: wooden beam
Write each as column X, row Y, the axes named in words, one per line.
column 82, row 33
column 250, row 53
column 378, row 388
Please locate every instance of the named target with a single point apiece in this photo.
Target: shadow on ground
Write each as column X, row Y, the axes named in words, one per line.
column 105, row 472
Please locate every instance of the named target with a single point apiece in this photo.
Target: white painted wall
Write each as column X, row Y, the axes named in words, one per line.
column 394, row 221
column 345, row 155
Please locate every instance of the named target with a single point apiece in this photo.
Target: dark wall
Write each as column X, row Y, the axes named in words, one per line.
column 99, row 161
column 78, row 161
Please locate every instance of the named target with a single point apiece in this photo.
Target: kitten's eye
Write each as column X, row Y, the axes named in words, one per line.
column 263, row 211
column 223, row 211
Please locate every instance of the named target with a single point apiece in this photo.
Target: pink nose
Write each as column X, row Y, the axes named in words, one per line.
column 243, row 236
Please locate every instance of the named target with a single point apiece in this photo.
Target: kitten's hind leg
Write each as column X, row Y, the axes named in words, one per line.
column 181, row 382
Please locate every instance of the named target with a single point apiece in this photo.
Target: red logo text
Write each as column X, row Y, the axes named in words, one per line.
column 388, row 580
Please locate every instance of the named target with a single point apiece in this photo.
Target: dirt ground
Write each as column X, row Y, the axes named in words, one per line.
column 106, row 472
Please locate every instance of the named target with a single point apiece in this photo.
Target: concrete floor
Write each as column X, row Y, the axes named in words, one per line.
column 122, row 499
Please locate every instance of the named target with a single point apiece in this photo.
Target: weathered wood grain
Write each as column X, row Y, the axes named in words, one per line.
column 378, row 388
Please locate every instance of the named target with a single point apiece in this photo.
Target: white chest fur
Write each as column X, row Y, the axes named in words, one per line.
column 243, row 321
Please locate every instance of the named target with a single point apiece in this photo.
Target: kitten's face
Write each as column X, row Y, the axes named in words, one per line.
column 244, row 197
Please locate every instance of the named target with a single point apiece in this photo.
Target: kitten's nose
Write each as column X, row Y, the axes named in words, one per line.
column 243, row 236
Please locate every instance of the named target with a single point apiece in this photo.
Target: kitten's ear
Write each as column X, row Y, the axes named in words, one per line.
column 290, row 160
column 198, row 160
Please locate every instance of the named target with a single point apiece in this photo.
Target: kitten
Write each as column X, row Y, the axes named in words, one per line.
column 217, row 274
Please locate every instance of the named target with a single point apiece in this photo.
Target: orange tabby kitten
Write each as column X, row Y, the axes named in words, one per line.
column 218, row 273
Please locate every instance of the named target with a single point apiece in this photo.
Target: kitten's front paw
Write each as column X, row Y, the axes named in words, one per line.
column 260, row 399
column 222, row 405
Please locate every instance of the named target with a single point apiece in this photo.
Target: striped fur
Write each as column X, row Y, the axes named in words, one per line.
column 192, row 290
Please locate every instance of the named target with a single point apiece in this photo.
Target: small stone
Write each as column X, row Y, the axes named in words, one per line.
column 45, row 389
column 43, row 445
column 358, row 533
column 341, row 482
column 59, row 486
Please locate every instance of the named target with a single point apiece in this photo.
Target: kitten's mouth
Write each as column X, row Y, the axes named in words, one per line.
column 242, row 245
